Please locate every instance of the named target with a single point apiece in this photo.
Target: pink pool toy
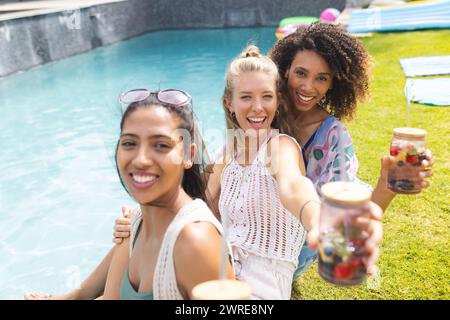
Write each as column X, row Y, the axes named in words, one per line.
column 329, row 15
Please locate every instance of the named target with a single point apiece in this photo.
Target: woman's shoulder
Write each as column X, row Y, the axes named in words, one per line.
column 285, row 151
column 196, row 233
column 331, row 127
column 197, row 205
column 200, row 227
column 331, row 122
column 196, row 211
column 284, row 143
column 196, row 255
column 192, row 225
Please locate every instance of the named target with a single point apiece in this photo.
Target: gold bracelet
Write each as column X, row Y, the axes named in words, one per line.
column 303, row 207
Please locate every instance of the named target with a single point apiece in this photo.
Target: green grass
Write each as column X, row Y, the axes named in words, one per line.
column 415, row 259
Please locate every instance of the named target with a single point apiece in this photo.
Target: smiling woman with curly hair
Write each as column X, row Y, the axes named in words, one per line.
column 324, row 73
column 346, row 58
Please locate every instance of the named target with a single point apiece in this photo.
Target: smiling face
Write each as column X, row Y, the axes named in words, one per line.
column 309, row 78
column 253, row 100
column 150, row 154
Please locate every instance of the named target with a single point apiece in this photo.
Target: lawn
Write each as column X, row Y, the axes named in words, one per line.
column 414, row 259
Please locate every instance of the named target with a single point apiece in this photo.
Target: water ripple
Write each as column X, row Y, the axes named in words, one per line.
column 59, row 191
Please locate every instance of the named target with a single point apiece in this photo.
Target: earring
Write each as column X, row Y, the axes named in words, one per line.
column 323, row 101
column 277, row 113
column 233, row 115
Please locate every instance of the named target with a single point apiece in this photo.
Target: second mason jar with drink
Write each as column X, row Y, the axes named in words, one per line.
column 408, row 149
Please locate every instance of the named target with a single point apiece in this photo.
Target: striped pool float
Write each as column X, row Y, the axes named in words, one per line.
column 407, row 17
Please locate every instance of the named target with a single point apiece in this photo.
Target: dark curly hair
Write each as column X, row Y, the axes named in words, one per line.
column 346, row 56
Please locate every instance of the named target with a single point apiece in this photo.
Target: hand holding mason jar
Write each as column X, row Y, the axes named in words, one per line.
column 410, row 161
column 349, row 234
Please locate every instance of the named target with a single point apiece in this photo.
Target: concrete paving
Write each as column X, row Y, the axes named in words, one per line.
column 8, row 6
column 13, row 10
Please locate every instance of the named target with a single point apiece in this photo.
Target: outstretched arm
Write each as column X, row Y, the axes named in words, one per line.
column 297, row 192
column 293, row 195
column 381, row 195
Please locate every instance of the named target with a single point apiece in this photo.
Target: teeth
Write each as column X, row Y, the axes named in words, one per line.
column 257, row 120
column 305, row 98
column 143, row 179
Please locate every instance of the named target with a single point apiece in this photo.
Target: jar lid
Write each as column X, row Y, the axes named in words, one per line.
column 346, row 193
column 410, row 132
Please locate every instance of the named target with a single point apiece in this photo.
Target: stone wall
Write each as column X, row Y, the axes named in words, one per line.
column 31, row 41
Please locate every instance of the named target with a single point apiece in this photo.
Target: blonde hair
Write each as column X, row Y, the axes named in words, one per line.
column 249, row 60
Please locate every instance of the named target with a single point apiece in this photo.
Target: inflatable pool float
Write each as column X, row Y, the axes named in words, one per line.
column 329, row 15
column 290, row 24
column 425, row 15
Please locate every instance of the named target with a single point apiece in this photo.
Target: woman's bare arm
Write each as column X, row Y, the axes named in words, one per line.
column 213, row 188
column 297, row 192
column 118, row 265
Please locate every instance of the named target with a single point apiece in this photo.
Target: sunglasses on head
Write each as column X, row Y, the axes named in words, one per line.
column 173, row 97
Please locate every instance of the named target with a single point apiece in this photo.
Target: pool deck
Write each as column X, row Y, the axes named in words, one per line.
column 16, row 10
column 33, row 33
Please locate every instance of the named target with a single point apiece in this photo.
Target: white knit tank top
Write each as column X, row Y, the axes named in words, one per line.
column 256, row 220
column 164, row 279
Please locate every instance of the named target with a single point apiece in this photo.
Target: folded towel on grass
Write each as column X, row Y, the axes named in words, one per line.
column 434, row 92
column 426, row 66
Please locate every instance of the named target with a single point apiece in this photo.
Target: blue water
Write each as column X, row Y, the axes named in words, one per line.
column 59, row 192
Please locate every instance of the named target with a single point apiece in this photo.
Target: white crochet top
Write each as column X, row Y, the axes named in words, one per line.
column 255, row 218
column 164, row 279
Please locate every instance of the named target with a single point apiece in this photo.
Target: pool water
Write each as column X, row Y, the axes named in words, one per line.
column 59, row 191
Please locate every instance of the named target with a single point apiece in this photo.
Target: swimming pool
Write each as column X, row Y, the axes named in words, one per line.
column 59, row 192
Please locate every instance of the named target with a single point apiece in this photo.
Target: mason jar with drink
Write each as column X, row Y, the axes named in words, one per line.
column 342, row 238
column 408, row 149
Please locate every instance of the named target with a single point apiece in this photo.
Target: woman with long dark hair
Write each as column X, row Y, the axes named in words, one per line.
column 176, row 241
